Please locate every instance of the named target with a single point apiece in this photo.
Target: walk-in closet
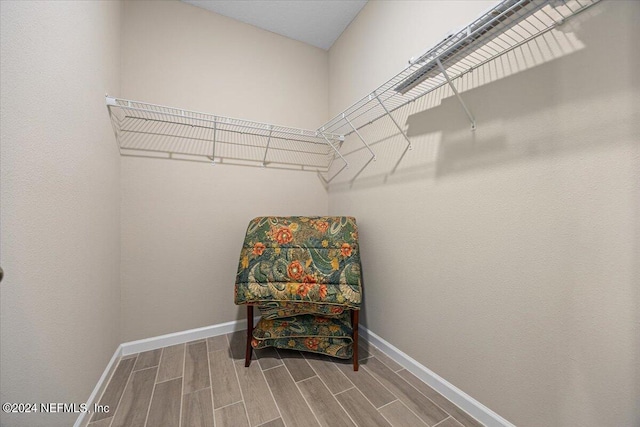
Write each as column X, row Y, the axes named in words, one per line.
column 233, row 213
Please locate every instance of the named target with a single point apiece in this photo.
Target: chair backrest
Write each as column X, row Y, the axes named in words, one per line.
column 300, row 259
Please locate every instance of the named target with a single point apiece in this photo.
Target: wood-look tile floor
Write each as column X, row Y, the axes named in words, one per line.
column 205, row 384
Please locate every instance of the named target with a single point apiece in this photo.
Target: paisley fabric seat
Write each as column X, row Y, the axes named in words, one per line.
column 304, row 275
column 327, row 335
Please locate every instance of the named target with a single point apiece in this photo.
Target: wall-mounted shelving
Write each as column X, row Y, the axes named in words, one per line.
column 505, row 27
column 150, row 130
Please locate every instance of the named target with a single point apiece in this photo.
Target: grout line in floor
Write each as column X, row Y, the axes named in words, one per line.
column 383, row 386
column 393, row 394
column 387, row 404
column 333, row 364
column 335, row 367
column 382, row 361
column 304, row 379
column 235, row 370
column 309, row 378
column 333, row 395
column 123, row 390
column 345, row 409
column 153, row 391
column 272, row 367
column 267, row 422
column 98, row 399
column 347, row 378
column 340, row 392
column 230, row 404
column 424, row 423
column 162, row 354
column 428, row 398
column 169, row 379
column 303, row 398
column 213, row 404
column 184, row 362
column 440, row 422
column 271, row 392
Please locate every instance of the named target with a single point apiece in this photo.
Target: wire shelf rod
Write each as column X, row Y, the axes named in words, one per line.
column 213, row 150
column 264, row 159
column 218, row 120
column 394, row 122
column 455, row 91
column 225, row 160
column 233, row 143
column 346, row 163
column 218, row 128
column 113, row 102
column 454, row 76
column 373, row 155
column 512, row 24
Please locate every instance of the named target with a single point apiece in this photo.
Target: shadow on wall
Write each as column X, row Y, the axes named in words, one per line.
column 526, row 83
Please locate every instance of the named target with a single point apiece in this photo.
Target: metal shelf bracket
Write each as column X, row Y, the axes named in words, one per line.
column 213, row 152
column 336, row 151
column 404, row 135
column 264, row 159
column 373, row 155
column 453, row 87
column 156, row 131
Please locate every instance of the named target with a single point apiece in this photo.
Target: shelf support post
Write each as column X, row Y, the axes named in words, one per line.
column 404, row 135
column 264, row 159
column 346, row 163
column 346, row 119
column 373, row 155
column 213, row 152
column 334, row 154
column 464, row 106
column 408, row 147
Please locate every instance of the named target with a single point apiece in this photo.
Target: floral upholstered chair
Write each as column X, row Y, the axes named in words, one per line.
column 303, row 274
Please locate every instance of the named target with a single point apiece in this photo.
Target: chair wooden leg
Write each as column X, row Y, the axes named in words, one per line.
column 247, row 357
column 354, row 325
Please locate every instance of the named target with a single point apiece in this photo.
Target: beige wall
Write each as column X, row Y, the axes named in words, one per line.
column 516, row 247
column 60, row 213
column 183, row 222
column 506, row 260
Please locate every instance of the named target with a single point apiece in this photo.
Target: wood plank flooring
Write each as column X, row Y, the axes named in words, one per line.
column 204, row 384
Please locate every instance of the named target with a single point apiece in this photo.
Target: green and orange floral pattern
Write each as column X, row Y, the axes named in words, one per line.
column 304, row 275
column 277, row 309
column 327, row 335
column 304, row 259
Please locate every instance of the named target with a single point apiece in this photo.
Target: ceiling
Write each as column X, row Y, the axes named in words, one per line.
column 315, row 22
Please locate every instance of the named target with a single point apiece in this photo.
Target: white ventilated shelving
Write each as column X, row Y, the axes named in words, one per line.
column 503, row 28
column 150, row 130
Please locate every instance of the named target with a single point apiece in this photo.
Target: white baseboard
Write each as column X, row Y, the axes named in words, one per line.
column 83, row 418
column 474, row 408
column 467, row 403
column 133, row 347
column 153, row 343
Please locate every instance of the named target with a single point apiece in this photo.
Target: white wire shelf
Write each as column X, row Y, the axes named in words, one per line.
column 505, row 27
column 157, row 131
